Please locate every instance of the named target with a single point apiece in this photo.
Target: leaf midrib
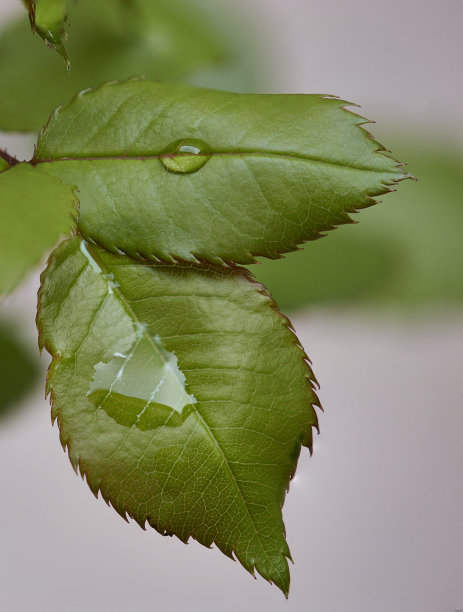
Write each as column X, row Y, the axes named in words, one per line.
column 116, row 291
column 267, row 154
column 226, row 462
column 200, row 418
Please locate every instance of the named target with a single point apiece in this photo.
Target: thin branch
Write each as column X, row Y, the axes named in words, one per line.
column 8, row 158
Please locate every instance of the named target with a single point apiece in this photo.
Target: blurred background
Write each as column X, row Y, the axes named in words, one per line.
column 374, row 519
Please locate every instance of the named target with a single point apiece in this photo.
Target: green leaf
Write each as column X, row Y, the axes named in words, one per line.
column 35, row 210
column 196, row 174
column 18, row 366
column 47, row 18
column 111, row 39
column 407, row 253
column 209, row 455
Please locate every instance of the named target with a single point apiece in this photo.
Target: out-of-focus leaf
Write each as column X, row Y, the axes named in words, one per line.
column 18, row 368
column 176, row 172
column 111, row 39
column 47, row 18
column 35, row 210
column 181, row 393
column 4, row 165
column 407, row 251
column 424, row 223
column 344, row 268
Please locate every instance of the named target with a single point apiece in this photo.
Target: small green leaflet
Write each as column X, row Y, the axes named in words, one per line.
column 259, row 175
column 165, row 40
column 211, row 455
column 35, row 210
column 47, row 18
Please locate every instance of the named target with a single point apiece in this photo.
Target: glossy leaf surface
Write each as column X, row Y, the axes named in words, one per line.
column 35, row 210
column 280, row 169
column 214, row 466
column 110, row 39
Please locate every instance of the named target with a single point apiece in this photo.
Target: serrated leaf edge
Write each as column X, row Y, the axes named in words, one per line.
column 384, row 186
column 79, row 465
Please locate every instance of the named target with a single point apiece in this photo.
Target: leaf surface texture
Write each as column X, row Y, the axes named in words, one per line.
column 217, row 468
column 280, row 169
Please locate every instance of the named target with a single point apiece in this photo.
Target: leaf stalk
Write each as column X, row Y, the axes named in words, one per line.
column 12, row 161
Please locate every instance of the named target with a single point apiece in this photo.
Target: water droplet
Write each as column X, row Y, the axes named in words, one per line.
column 142, row 387
column 185, row 156
column 109, row 278
column 93, row 263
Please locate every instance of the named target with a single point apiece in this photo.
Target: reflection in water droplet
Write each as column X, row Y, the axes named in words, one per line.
column 91, row 260
column 185, row 156
column 143, row 386
column 109, row 278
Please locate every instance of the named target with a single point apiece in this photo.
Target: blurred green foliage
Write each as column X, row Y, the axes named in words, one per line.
column 18, row 367
column 166, row 40
column 405, row 251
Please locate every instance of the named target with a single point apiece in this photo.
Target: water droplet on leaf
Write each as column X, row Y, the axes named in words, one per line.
column 142, row 387
column 185, row 156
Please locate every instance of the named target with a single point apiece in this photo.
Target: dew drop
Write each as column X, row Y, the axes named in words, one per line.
column 185, row 156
